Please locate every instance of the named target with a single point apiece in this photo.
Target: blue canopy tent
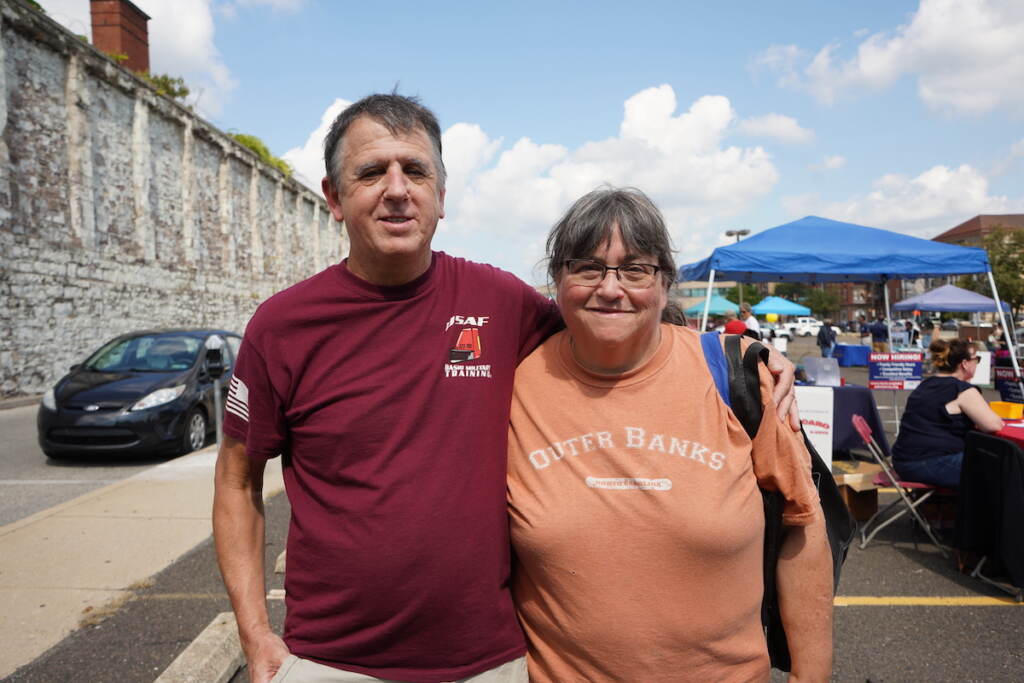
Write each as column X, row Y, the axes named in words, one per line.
column 776, row 304
column 718, row 305
column 815, row 249
column 950, row 298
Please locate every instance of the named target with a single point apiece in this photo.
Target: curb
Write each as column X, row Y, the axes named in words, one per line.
column 20, row 401
column 213, row 657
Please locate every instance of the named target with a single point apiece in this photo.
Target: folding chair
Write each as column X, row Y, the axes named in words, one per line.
column 911, row 493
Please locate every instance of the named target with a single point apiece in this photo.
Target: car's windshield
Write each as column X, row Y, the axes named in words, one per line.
column 146, row 353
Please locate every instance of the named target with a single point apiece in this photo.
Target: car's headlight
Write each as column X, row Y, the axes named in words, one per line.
column 49, row 400
column 159, row 397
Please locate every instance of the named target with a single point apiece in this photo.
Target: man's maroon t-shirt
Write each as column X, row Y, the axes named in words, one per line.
column 390, row 406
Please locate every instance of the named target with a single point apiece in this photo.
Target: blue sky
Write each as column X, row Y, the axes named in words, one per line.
column 895, row 114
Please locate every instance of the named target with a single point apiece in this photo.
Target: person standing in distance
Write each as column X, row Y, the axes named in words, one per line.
column 749, row 319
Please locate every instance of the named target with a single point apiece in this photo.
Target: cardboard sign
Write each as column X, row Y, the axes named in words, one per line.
column 894, row 370
column 816, row 416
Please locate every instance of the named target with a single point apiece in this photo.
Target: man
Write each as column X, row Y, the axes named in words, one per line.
column 879, row 336
column 864, row 328
column 826, row 339
column 750, row 320
column 385, row 383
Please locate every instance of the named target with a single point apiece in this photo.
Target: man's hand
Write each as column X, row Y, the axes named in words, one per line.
column 784, row 394
column 265, row 655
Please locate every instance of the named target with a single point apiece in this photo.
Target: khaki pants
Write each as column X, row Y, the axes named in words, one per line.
column 883, row 347
column 295, row 670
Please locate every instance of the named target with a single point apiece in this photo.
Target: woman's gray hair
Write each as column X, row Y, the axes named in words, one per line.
column 589, row 221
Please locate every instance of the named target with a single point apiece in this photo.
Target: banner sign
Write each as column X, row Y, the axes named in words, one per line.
column 894, row 370
column 817, row 417
column 1008, row 385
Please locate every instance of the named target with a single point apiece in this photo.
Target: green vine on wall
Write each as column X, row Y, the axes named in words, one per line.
column 260, row 149
column 166, row 85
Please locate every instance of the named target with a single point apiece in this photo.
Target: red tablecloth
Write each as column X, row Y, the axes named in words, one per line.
column 1012, row 432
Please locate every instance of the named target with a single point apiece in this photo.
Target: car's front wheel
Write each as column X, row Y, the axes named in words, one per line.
column 195, row 431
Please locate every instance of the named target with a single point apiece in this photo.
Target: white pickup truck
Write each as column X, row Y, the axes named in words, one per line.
column 804, row 327
column 808, row 327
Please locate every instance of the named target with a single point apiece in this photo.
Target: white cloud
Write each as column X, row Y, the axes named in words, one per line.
column 1009, row 159
column 71, row 14
column 308, row 160
column 782, row 60
column 180, row 44
column 230, row 8
column 777, row 126
column 924, row 205
column 500, row 205
column 964, row 55
column 830, row 163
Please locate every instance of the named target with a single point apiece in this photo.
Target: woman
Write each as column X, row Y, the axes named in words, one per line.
column 939, row 413
column 636, row 519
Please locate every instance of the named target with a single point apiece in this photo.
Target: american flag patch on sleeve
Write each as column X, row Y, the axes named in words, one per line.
column 238, row 399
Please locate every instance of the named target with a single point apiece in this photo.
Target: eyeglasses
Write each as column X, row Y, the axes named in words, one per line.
column 974, row 358
column 590, row 273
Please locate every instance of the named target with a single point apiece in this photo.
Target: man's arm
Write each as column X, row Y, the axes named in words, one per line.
column 784, row 392
column 238, row 532
column 804, row 580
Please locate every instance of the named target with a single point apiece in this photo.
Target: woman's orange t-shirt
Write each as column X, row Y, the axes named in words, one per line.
column 636, row 519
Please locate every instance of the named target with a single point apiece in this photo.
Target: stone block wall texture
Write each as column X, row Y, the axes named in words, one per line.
column 121, row 210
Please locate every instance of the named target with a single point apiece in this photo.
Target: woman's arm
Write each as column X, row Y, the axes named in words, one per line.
column 804, row 579
column 973, row 404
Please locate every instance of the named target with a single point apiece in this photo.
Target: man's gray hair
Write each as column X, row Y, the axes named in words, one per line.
column 589, row 221
column 744, row 307
column 397, row 113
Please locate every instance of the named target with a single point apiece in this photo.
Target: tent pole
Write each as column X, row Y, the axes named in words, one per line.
column 707, row 301
column 888, row 315
column 888, row 326
column 1011, row 341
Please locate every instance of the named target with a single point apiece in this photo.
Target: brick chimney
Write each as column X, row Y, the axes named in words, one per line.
column 119, row 27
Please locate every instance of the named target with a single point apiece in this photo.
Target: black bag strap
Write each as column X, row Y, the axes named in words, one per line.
column 744, row 385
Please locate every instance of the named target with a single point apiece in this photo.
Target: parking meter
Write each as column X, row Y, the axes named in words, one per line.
column 215, row 369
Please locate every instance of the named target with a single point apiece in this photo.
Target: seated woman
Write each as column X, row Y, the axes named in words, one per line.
column 939, row 413
column 636, row 520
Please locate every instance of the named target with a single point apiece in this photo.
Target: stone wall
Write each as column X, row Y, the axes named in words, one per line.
column 121, row 210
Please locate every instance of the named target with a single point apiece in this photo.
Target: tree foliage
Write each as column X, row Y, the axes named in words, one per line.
column 1006, row 255
column 750, row 294
column 260, row 149
column 822, row 302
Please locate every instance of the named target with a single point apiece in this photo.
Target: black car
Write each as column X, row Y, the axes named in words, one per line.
column 148, row 393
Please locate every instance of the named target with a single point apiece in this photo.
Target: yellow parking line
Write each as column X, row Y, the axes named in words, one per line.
column 920, row 600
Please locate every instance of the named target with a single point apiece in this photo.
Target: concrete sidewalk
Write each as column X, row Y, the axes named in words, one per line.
column 75, row 561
